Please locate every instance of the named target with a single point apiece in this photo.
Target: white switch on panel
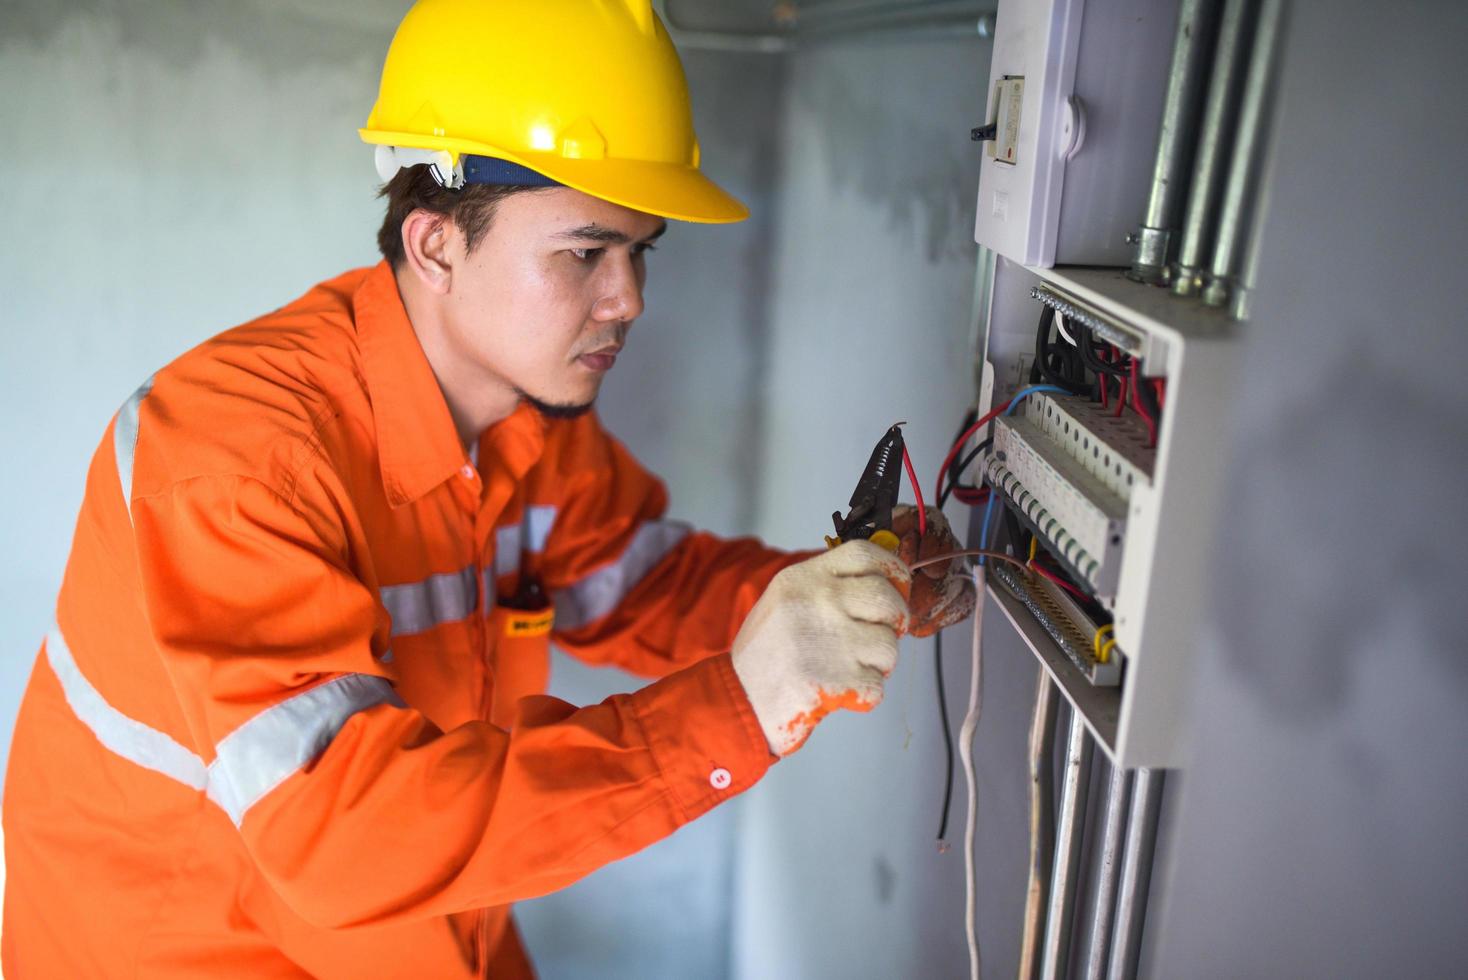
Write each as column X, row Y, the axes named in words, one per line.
column 1031, row 74
column 1075, row 102
column 1009, row 98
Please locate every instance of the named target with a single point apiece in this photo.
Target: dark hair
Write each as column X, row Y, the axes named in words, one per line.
column 471, row 208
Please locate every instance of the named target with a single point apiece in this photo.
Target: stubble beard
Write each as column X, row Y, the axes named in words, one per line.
column 553, row 410
column 573, row 410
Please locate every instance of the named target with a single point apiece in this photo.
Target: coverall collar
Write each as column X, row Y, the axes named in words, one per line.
column 417, row 443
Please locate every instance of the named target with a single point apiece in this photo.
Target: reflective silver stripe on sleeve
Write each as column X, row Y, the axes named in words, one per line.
column 252, row 760
column 125, row 439
column 603, row 590
column 416, row 607
column 529, row 535
column 269, row 748
column 131, row 739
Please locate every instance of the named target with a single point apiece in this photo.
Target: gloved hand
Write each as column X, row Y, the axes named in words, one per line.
column 942, row 594
column 822, row 637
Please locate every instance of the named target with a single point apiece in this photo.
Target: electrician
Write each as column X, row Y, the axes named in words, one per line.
column 291, row 720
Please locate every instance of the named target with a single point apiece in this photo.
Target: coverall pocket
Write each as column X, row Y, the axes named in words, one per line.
column 519, row 659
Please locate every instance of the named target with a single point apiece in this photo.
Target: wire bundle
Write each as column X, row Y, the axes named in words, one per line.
column 1072, row 362
column 1066, row 365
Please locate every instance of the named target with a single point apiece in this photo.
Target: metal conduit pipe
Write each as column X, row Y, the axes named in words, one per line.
column 1220, row 116
column 1070, row 831
column 1108, row 873
column 818, row 16
column 746, row 42
column 1136, row 874
column 981, row 26
column 1042, row 823
column 1243, row 172
column 886, row 20
column 1197, row 28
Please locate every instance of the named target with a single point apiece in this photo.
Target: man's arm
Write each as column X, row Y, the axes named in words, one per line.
column 355, row 807
column 636, row 590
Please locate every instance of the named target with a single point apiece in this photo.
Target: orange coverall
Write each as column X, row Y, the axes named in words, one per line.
column 279, row 728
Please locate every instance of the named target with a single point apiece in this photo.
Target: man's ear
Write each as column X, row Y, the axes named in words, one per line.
column 426, row 238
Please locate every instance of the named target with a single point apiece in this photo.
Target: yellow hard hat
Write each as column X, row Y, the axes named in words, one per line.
column 587, row 93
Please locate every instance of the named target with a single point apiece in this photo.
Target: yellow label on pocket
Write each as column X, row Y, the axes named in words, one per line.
column 521, row 623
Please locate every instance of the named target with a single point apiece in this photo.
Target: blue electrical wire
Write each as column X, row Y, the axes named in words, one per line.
column 1013, row 404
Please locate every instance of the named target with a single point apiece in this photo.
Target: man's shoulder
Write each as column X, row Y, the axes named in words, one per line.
column 259, row 400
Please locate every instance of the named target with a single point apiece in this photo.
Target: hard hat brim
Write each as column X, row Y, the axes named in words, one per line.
column 664, row 189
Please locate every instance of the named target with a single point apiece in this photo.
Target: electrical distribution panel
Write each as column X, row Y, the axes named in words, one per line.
column 1075, row 104
column 1119, row 503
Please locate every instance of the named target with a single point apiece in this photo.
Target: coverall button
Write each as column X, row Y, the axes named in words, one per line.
column 467, row 472
column 720, row 778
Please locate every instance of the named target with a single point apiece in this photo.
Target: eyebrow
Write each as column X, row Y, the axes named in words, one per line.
column 601, row 233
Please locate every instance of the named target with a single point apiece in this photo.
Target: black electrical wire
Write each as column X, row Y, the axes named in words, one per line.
column 947, row 734
column 1016, row 531
column 1093, row 360
column 957, row 469
column 1104, row 372
column 1056, row 374
column 1073, row 367
column 1148, row 398
column 954, row 470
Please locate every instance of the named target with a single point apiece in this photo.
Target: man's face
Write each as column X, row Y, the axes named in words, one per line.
column 544, row 302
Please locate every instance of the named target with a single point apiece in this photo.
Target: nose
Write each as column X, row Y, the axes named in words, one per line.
column 622, row 291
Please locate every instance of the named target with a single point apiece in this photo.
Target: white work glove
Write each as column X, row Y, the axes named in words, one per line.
column 822, row 637
column 942, row 593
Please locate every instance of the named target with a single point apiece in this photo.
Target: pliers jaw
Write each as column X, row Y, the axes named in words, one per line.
column 875, row 496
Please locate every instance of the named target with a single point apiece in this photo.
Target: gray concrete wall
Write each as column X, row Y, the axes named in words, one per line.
column 171, row 169
column 838, row 872
column 1317, row 831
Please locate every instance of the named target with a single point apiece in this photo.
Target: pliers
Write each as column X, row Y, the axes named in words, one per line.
column 870, row 517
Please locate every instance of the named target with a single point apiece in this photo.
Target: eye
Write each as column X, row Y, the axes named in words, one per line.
column 643, row 248
column 587, row 254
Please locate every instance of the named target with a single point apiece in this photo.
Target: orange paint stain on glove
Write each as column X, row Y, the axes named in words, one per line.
column 804, row 723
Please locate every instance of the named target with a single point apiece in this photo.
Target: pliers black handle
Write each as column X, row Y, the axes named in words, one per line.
column 870, row 517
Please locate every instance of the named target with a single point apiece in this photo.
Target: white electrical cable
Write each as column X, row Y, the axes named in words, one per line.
column 966, row 753
column 1060, row 326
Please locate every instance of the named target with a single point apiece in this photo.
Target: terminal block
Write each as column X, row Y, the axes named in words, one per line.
column 1073, row 631
column 1069, row 468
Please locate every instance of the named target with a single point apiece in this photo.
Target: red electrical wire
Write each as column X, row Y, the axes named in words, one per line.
column 1142, row 409
column 1159, row 385
column 1057, row 580
column 971, row 497
column 1121, row 398
column 957, row 446
column 917, row 491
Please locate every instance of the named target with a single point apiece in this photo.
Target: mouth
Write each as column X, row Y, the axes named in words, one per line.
column 600, row 361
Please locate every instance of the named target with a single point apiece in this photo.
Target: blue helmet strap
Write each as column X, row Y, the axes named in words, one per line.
column 490, row 170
